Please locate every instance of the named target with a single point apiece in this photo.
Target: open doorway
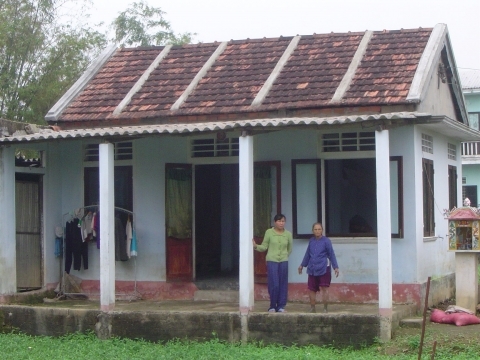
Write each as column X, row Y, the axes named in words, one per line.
column 216, row 222
column 28, row 205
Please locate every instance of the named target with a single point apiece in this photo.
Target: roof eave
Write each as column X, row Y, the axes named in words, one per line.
column 426, row 65
column 57, row 109
column 451, row 128
column 192, row 128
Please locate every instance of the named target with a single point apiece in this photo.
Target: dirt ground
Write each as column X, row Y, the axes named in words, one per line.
column 407, row 339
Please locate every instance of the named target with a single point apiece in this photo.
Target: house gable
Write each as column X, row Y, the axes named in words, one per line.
column 437, row 77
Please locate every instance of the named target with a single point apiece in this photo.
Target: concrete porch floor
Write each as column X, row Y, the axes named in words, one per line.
column 334, row 309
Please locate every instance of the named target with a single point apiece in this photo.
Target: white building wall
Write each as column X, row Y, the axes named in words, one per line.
column 52, row 212
column 434, row 259
column 63, row 193
column 438, row 98
column 150, row 157
column 51, row 173
column 357, row 258
column 404, row 250
column 285, row 146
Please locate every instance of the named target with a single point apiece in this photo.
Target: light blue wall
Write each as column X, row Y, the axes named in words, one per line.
column 472, row 102
column 150, row 157
column 413, row 259
column 472, row 175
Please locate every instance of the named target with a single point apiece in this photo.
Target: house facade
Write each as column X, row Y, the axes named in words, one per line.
column 199, row 146
column 470, row 150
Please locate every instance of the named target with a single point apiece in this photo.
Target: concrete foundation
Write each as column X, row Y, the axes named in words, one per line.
column 344, row 325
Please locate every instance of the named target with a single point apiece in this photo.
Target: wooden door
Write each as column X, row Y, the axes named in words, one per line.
column 28, row 232
column 269, row 173
column 178, row 222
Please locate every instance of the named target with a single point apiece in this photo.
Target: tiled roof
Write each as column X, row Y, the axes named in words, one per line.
column 309, row 78
column 387, row 68
column 314, row 71
column 464, row 213
column 102, row 95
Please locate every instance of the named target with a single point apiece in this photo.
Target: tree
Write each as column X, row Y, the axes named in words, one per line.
column 40, row 56
column 143, row 25
column 42, row 53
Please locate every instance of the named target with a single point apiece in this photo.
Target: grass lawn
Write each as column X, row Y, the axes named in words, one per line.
column 81, row 346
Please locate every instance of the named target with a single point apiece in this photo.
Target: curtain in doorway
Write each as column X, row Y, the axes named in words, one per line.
column 262, row 208
column 179, row 202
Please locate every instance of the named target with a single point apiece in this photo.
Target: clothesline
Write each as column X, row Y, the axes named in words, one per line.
column 95, row 207
column 80, row 213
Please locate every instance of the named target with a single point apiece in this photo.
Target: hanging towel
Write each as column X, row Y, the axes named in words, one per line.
column 129, row 234
column 58, row 241
column 58, row 247
column 133, row 246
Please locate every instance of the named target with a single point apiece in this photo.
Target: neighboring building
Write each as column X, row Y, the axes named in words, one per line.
column 205, row 143
column 470, row 80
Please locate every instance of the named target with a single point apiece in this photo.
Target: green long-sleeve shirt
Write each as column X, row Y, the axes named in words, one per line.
column 279, row 246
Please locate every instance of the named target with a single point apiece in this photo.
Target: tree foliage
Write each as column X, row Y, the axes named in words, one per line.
column 40, row 56
column 144, row 25
column 42, row 53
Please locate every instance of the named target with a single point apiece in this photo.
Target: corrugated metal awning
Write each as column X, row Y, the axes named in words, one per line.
column 175, row 129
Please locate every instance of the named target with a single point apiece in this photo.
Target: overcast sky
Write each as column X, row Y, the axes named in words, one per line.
column 220, row 20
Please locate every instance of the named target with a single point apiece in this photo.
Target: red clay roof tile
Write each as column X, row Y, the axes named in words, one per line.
column 309, row 78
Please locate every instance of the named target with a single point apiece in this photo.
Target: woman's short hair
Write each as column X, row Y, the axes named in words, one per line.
column 279, row 217
column 317, row 223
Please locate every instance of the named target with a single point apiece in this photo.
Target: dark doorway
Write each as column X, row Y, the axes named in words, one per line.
column 28, row 205
column 216, row 221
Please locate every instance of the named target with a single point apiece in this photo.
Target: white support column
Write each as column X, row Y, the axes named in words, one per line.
column 245, row 167
column 8, row 254
column 466, row 280
column 384, row 232
column 107, row 227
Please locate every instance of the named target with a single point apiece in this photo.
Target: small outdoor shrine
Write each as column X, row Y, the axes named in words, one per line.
column 463, row 232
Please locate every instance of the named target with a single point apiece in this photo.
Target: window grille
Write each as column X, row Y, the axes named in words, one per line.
column 350, row 141
column 122, row 151
column 427, row 143
column 452, row 152
column 214, row 147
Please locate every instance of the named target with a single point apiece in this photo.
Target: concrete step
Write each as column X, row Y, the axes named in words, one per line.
column 216, row 295
column 414, row 322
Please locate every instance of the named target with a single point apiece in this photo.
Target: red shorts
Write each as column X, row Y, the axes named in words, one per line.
column 315, row 282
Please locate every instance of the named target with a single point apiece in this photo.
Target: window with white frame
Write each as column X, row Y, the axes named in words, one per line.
column 123, row 175
column 452, row 186
column 348, row 141
column 474, row 120
column 427, row 143
column 214, row 147
column 452, row 152
column 350, row 196
column 122, row 151
column 428, row 198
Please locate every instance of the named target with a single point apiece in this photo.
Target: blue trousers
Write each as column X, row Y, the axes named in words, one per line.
column 277, row 273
